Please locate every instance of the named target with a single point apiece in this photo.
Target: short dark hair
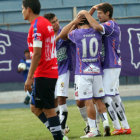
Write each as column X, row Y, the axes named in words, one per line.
column 83, row 22
column 49, row 16
column 105, row 7
column 26, row 51
column 33, row 4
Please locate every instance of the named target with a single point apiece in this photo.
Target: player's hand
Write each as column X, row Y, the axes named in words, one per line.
column 20, row 69
column 96, row 6
column 28, row 84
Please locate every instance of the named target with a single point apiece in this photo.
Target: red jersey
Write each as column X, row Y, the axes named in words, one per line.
column 41, row 35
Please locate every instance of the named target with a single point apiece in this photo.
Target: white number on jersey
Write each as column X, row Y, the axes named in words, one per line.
column 92, row 52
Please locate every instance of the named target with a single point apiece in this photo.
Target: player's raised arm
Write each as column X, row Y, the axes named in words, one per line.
column 68, row 28
column 93, row 23
column 94, row 8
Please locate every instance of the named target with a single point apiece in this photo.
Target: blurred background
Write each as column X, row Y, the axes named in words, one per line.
column 13, row 34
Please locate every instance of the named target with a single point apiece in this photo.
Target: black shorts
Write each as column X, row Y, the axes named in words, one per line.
column 43, row 92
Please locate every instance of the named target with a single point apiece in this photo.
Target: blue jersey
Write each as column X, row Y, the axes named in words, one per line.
column 28, row 63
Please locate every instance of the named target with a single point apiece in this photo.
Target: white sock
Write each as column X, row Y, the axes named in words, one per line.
column 63, row 115
column 120, row 111
column 97, row 118
column 112, row 113
column 83, row 113
column 63, row 108
column 92, row 124
column 104, row 119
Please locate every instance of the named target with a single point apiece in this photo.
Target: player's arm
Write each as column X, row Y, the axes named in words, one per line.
column 93, row 23
column 37, row 47
column 94, row 8
column 67, row 29
column 35, row 61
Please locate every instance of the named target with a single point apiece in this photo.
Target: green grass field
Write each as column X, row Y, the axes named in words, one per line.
column 21, row 124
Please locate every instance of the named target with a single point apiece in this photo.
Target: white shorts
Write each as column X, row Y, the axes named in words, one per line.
column 111, row 81
column 88, row 87
column 62, row 85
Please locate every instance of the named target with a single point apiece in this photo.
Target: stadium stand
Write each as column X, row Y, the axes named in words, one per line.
column 126, row 12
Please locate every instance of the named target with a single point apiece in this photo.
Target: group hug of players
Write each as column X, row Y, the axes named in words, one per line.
column 94, row 50
column 97, row 69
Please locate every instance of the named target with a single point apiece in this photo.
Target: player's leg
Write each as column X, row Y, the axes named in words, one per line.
column 109, row 79
column 44, row 99
column 82, row 109
column 121, row 114
column 62, row 94
column 97, row 118
column 84, row 92
column 98, row 94
column 40, row 114
column 81, row 105
column 91, row 117
column 56, row 105
column 37, row 111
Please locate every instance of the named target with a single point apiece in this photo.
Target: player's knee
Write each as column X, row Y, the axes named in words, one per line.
column 100, row 106
column 35, row 110
column 80, row 104
column 61, row 100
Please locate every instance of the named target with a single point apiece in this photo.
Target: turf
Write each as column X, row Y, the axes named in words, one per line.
column 21, row 124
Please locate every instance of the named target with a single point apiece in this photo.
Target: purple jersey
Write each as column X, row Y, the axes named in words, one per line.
column 111, row 41
column 63, row 55
column 88, row 44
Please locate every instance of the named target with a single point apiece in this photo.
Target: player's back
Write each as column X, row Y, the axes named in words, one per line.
column 88, row 44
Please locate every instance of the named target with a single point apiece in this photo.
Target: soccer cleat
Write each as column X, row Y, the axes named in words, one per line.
column 99, row 133
column 127, row 131
column 90, row 134
column 65, row 138
column 87, row 129
column 117, row 132
column 107, row 131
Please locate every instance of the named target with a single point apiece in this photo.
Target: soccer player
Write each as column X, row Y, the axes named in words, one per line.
column 43, row 69
column 111, row 64
column 27, row 62
column 64, row 66
column 88, row 72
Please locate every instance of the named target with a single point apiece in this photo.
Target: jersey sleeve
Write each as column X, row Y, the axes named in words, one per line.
column 37, row 35
column 71, row 36
column 22, row 61
column 108, row 28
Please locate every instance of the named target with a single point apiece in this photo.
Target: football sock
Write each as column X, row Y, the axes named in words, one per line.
column 120, row 112
column 43, row 119
column 63, row 115
column 104, row 119
column 55, row 128
column 97, row 117
column 92, row 123
column 111, row 111
column 83, row 113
